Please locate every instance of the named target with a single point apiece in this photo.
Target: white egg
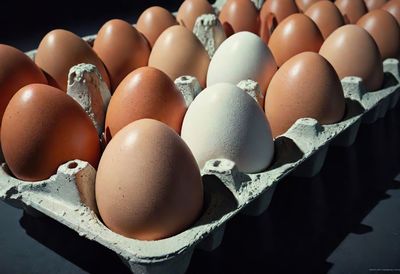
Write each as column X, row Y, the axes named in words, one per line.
column 225, row 122
column 242, row 56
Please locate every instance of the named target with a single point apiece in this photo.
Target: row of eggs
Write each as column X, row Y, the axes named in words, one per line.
column 148, row 183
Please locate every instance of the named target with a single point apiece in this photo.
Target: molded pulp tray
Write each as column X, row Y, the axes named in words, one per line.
column 68, row 196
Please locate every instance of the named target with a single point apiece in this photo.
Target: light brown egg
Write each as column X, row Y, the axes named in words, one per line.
column 43, row 128
column 327, row 17
column 306, row 86
column 122, row 49
column 385, row 30
column 393, row 7
column 190, row 10
column 153, row 21
column 148, row 184
column 60, row 50
column 295, row 34
column 352, row 10
column 303, row 5
column 178, row 52
column 374, row 4
column 240, row 15
column 280, row 8
column 353, row 52
column 145, row 93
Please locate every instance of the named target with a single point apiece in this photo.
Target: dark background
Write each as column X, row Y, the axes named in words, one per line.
column 345, row 220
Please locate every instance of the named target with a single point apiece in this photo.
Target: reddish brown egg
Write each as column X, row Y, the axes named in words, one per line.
column 353, row 52
column 385, row 30
column 297, row 33
column 327, row 17
column 153, row 21
column 145, row 93
column 280, row 8
column 374, row 4
column 240, row 15
column 43, row 128
column 60, row 50
column 190, row 10
column 306, row 86
column 393, row 7
column 352, row 10
column 303, row 5
column 122, row 49
column 178, row 52
column 16, row 71
column 148, row 184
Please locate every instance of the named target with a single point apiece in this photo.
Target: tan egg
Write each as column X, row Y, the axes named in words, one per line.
column 353, row 52
column 190, row 10
column 393, row 7
column 388, row 41
column 327, row 17
column 374, row 4
column 148, row 185
column 240, row 15
column 178, row 52
column 60, row 50
column 145, row 93
column 303, row 5
column 352, row 10
column 306, row 86
column 280, row 8
column 43, row 128
column 153, row 21
column 295, row 34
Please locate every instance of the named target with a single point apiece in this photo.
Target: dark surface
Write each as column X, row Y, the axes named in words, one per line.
column 345, row 220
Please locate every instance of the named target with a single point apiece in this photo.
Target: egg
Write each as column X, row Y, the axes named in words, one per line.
column 295, row 34
column 178, row 52
column 190, row 10
column 374, row 4
column 352, row 10
column 353, row 52
column 148, row 185
column 43, row 128
column 306, row 86
column 280, row 8
column 240, row 57
column 225, row 122
column 16, row 71
column 153, row 21
column 145, row 93
column 388, row 41
column 327, row 17
column 303, row 5
column 393, row 7
column 240, row 15
column 121, row 48
column 60, row 50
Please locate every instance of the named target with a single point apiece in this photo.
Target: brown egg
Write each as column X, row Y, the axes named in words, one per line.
column 297, row 33
column 280, row 8
column 16, row 71
column 385, row 30
column 353, row 52
column 145, row 93
column 60, row 50
column 240, row 15
column 190, row 10
column 327, row 17
column 352, row 10
column 303, row 5
column 393, row 7
column 43, row 128
column 178, row 52
column 148, row 184
column 306, row 86
column 153, row 21
column 374, row 4
column 122, row 49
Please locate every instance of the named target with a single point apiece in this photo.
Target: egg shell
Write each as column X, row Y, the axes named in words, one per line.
column 393, row 7
column 353, row 52
column 178, row 52
column 121, row 48
column 296, row 34
column 60, row 50
column 280, row 8
column 374, row 4
column 148, row 185
column 225, row 122
column 240, row 15
column 43, row 128
column 153, row 21
column 240, row 57
column 306, row 86
column 352, row 10
column 190, row 10
column 327, row 17
column 303, row 5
